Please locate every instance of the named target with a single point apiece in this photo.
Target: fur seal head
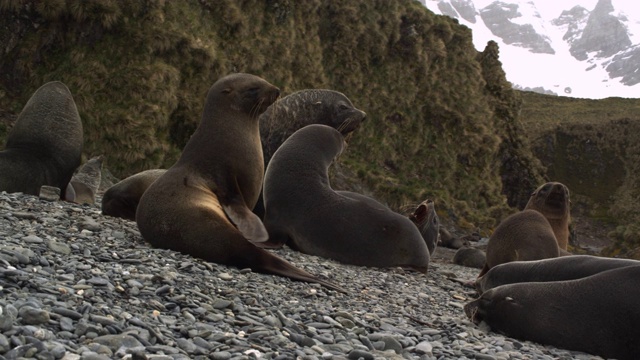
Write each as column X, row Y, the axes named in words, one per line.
column 552, row 200
column 427, row 221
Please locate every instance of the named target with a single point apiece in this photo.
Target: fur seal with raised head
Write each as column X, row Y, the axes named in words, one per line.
column 555, row 269
column 121, row 200
column 597, row 314
column 86, row 182
column 302, row 108
column 427, row 221
column 202, row 205
column 552, row 200
column 44, row 147
column 526, row 235
column 304, row 212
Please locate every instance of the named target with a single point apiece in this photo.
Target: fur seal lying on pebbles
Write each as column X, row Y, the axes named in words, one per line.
column 303, row 211
column 522, row 236
column 555, row 269
column 597, row 314
column 121, row 200
column 202, row 204
column 44, row 147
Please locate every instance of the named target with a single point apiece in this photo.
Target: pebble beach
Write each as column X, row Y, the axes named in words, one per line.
column 76, row 284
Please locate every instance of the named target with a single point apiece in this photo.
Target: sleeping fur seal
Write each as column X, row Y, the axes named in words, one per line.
column 121, row 200
column 555, row 269
column 552, row 201
column 44, row 147
column 597, row 314
column 303, row 211
column 522, row 236
column 202, row 205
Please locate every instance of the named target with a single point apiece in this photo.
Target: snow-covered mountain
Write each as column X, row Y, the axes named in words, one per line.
column 578, row 48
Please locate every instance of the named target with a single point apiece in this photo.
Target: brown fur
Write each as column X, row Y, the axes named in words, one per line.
column 201, row 205
column 428, row 223
column 523, row 236
column 597, row 314
column 44, row 147
column 121, row 200
column 552, row 200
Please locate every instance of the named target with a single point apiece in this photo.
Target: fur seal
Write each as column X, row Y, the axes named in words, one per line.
column 470, row 257
column 555, row 269
column 86, row 182
column 597, row 314
column 427, row 221
column 44, row 147
column 202, row 205
column 522, row 236
column 450, row 241
column 552, row 200
column 121, row 200
column 304, row 212
column 301, row 108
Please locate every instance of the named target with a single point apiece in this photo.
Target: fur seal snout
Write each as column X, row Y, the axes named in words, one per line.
column 303, row 211
column 201, row 205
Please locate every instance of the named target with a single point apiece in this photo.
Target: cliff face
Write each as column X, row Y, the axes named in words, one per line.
column 442, row 118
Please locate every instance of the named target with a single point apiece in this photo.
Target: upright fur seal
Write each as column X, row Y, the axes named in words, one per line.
column 555, row 269
column 427, row 221
column 121, row 200
column 202, row 205
column 303, row 211
column 552, row 200
column 301, row 108
column 522, row 236
column 86, row 182
column 597, row 314
column 44, row 147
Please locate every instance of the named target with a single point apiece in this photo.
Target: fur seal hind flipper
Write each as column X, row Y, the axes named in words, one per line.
column 273, row 264
column 247, row 222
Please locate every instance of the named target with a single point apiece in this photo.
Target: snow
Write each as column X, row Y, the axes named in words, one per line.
column 586, row 79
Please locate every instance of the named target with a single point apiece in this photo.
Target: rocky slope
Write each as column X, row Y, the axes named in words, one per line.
column 79, row 285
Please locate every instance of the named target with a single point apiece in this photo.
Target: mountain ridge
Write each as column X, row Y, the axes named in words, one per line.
column 575, row 52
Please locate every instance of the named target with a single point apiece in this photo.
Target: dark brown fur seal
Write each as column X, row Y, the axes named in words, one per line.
column 86, row 182
column 121, row 200
column 470, row 257
column 552, row 201
column 556, row 269
column 523, row 236
column 202, row 205
column 302, row 108
column 427, row 221
column 44, row 147
column 597, row 314
column 303, row 211
column 449, row 241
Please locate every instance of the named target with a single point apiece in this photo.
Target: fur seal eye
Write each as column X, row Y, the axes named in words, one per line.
column 508, row 298
column 226, row 90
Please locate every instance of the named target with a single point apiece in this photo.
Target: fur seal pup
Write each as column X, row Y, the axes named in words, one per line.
column 86, row 182
column 555, row 269
column 427, row 221
column 44, row 147
column 552, row 200
column 304, row 212
column 450, row 241
column 202, row 205
column 597, row 314
column 522, row 236
column 121, row 200
column 301, row 108
column 470, row 257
